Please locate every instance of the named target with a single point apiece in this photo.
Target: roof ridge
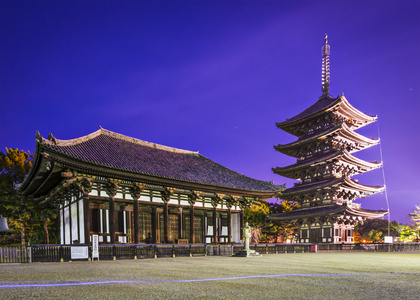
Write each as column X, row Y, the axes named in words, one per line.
column 70, row 142
column 101, row 131
column 145, row 143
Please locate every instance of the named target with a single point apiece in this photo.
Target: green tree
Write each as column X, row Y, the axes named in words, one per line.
column 407, row 233
column 415, row 218
column 374, row 230
column 255, row 215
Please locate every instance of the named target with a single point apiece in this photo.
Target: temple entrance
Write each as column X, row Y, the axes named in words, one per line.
column 315, row 235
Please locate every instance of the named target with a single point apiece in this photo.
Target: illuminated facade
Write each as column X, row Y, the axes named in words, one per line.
column 325, row 164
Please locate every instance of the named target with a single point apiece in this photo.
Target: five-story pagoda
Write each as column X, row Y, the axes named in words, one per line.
column 325, row 164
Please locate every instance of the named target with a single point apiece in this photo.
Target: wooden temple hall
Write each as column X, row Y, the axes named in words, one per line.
column 127, row 190
column 325, row 164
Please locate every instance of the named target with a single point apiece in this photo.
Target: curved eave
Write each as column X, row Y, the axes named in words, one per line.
column 342, row 130
column 309, row 212
column 289, row 171
column 362, row 165
column 292, row 148
column 349, row 111
column 343, row 183
column 298, row 189
column 368, row 190
column 327, row 211
column 360, row 141
column 318, row 109
column 343, row 156
column 339, row 104
column 34, row 176
column 366, row 213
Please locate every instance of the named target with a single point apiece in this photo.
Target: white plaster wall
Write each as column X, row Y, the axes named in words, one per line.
column 66, row 225
column 157, row 200
column 74, row 224
column 94, row 193
column 82, row 222
column 108, row 238
column 184, row 202
column 125, row 221
column 173, row 201
column 144, row 198
column 235, row 222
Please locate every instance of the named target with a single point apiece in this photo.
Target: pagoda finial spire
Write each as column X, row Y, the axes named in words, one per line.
column 325, row 67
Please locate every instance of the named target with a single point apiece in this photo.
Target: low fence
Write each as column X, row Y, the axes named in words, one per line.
column 374, row 247
column 14, row 254
column 59, row 253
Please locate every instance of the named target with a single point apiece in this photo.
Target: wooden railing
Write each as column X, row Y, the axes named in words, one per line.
column 59, row 253
column 14, row 254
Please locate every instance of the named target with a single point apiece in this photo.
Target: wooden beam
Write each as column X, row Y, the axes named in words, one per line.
column 136, row 221
column 165, row 222
column 86, row 218
column 229, row 220
column 112, row 219
column 192, row 231
column 215, row 235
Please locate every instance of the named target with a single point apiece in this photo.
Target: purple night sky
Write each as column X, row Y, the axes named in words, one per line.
column 214, row 77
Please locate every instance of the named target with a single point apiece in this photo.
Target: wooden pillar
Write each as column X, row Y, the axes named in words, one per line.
column 136, row 221
column 64, row 223
column 192, row 231
column 86, row 213
column 242, row 222
column 180, row 224
column 111, row 190
column 165, row 222
column 70, row 221
column 215, row 229
column 135, row 192
column 229, row 221
column 155, row 226
column 112, row 219
column 78, row 220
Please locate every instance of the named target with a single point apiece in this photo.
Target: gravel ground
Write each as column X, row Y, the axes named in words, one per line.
column 338, row 276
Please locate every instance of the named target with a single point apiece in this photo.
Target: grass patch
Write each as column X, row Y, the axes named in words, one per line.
column 369, row 275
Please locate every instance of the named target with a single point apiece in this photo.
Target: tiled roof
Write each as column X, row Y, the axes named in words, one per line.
column 343, row 182
column 119, row 152
column 327, row 210
column 341, row 155
column 321, row 104
column 313, row 212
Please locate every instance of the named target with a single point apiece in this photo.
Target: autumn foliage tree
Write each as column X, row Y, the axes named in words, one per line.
column 14, row 165
column 26, row 219
column 264, row 230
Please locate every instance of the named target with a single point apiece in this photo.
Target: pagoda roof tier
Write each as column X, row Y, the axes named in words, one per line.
column 341, row 211
column 343, row 157
column 109, row 154
column 344, row 183
column 342, row 132
column 323, row 106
